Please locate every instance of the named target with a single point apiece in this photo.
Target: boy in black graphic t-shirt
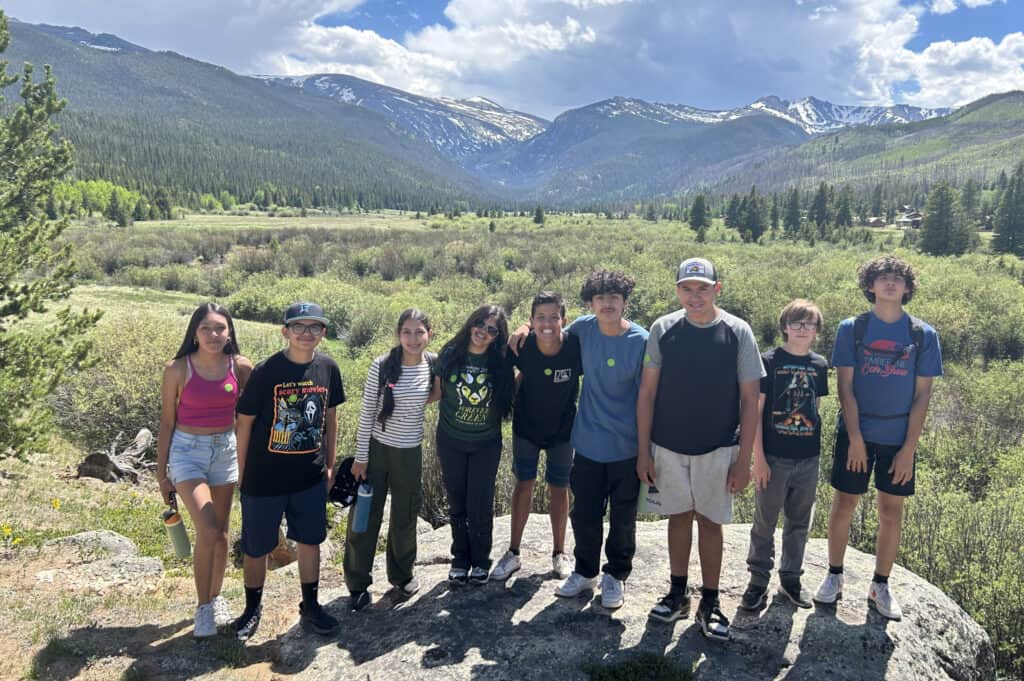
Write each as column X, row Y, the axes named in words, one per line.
column 786, row 452
column 550, row 365
column 287, row 430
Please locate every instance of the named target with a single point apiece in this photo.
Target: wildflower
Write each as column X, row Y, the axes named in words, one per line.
column 55, row 503
column 17, row 540
column 7, row 531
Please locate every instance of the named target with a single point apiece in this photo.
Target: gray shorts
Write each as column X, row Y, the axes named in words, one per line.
column 693, row 483
column 211, row 458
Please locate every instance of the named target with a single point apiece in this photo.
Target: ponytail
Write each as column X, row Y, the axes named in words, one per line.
column 390, row 372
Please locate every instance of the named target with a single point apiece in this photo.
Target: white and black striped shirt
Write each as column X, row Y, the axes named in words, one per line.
column 405, row 425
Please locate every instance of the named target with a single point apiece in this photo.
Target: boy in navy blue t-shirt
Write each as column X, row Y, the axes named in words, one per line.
column 885, row 361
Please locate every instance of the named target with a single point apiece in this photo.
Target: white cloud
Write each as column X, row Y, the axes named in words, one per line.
column 544, row 56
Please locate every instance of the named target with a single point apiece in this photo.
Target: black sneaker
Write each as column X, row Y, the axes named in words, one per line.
column 754, row 598
column 248, row 623
column 713, row 624
column 317, row 619
column 478, row 576
column 796, row 594
column 408, row 589
column 675, row 605
column 359, row 600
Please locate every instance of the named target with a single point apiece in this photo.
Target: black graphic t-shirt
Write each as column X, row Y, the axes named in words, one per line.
column 545, row 405
column 290, row 403
column 467, row 410
column 790, row 424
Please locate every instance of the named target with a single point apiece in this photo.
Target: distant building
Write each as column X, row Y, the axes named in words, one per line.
column 875, row 221
column 911, row 219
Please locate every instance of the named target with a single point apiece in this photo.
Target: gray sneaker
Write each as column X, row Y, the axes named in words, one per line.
column 205, row 626
column 831, row 589
column 575, row 585
column 612, row 592
column 882, row 600
column 754, row 598
column 508, row 564
column 221, row 614
column 796, row 594
column 562, row 565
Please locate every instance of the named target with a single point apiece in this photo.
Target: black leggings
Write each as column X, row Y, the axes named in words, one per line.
column 469, row 470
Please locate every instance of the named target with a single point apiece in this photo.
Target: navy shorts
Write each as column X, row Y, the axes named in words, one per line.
column 879, row 460
column 526, row 455
column 306, row 512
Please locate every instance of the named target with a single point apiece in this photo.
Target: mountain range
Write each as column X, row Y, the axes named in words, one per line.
column 336, row 129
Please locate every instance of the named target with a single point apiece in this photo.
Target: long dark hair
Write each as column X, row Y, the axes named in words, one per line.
column 391, row 365
column 189, row 344
column 453, row 354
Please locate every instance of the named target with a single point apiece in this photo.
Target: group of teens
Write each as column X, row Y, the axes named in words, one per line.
column 685, row 413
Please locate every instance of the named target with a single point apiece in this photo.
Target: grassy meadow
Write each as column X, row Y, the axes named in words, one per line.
column 965, row 526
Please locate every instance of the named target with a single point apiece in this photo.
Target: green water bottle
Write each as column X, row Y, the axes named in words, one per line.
column 176, row 530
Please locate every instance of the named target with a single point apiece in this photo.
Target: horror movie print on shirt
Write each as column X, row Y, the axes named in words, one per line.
column 299, row 409
column 791, row 425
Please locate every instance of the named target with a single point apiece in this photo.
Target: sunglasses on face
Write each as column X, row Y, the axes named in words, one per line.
column 313, row 329
column 491, row 329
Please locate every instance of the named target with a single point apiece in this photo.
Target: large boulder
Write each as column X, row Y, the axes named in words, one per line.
column 98, row 561
column 520, row 630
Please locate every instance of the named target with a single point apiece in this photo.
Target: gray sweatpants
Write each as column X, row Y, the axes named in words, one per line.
column 791, row 489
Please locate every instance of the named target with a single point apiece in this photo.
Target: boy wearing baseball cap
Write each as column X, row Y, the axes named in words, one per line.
column 696, row 421
column 287, row 430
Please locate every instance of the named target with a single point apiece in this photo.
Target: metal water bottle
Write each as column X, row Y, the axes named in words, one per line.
column 176, row 530
column 361, row 514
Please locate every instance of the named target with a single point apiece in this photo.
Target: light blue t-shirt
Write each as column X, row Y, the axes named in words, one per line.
column 605, row 425
column 884, row 377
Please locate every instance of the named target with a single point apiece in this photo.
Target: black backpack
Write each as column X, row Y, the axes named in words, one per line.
column 860, row 328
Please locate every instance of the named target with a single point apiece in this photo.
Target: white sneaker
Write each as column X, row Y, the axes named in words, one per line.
column 204, row 625
column 575, row 585
column 612, row 592
column 221, row 614
column 508, row 564
column 882, row 600
column 831, row 589
column 562, row 565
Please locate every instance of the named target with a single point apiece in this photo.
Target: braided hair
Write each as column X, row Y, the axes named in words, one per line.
column 391, row 365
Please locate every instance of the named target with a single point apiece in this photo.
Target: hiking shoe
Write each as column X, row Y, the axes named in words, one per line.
column 754, row 598
column 205, row 626
column 562, row 565
column 713, row 624
column 477, row 576
column 796, row 594
column 359, row 600
column 612, row 592
column 317, row 619
column 882, row 600
column 248, row 623
column 457, row 575
column 221, row 614
column 575, row 585
column 508, row 564
column 831, row 589
column 675, row 605
column 409, row 588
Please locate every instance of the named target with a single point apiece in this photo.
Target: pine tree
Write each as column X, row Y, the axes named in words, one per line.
column 773, row 217
column 34, row 269
column 844, row 208
column 538, row 216
column 876, row 201
column 820, row 212
column 732, row 212
column 1009, row 222
column 969, row 197
column 699, row 213
column 791, row 220
column 944, row 231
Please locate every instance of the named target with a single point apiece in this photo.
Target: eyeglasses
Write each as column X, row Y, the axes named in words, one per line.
column 313, row 329
column 491, row 329
column 798, row 326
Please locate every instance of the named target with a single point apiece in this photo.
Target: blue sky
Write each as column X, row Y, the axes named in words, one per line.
column 546, row 56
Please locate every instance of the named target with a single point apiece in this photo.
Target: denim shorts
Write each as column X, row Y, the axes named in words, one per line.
column 526, row 455
column 211, row 458
column 306, row 512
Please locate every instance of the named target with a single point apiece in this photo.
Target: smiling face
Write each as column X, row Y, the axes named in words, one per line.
column 547, row 321
column 413, row 336
column 304, row 335
column 213, row 333
column 698, row 299
column 482, row 334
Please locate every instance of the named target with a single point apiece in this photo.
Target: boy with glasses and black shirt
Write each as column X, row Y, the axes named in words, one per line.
column 786, row 454
column 287, row 431
column 885, row 361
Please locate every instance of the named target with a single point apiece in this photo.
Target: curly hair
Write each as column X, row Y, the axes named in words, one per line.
column 605, row 281
column 886, row 264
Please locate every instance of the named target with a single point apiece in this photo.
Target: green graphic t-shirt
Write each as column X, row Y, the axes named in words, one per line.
column 467, row 409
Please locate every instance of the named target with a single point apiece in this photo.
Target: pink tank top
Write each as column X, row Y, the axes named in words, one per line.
column 208, row 404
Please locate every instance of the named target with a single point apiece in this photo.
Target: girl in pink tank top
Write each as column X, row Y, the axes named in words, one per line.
column 196, row 456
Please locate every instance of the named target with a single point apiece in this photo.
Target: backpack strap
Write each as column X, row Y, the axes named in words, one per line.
column 917, row 338
column 860, row 328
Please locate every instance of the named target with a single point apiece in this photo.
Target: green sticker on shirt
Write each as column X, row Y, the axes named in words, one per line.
column 647, row 357
column 611, row 361
column 547, row 372
column 452, row 378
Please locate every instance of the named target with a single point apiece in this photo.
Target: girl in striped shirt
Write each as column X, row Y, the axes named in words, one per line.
column 389, row 455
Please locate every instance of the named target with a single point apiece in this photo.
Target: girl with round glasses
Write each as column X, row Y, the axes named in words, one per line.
column 196, row 453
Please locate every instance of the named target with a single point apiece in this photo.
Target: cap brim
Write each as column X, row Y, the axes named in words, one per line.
column 703, row 279
column 322, row 320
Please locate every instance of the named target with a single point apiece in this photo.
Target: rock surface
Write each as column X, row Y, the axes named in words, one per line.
column 520, row 630
column 98, row 560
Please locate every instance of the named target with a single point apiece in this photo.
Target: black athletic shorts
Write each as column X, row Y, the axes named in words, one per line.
column 306, row 512
column 879, row 460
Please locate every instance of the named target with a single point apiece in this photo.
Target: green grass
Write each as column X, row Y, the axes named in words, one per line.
column 643, row 667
